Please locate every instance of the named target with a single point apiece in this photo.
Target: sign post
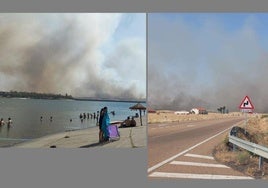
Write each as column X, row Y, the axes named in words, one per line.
column 246, row 106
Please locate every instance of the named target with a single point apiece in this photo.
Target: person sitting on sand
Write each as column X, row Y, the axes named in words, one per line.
column 125, row 123
column 132, row 122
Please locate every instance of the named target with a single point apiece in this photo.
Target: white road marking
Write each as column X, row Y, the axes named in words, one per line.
column 198, row 164
column 183, row 152
column 199, row 156
column 196, row 176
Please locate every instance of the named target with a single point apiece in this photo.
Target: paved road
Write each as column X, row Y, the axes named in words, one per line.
column 184, row 150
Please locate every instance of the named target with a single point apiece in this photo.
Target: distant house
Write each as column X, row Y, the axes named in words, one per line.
column 150, row 110
column 182, row 112
column 199, row 110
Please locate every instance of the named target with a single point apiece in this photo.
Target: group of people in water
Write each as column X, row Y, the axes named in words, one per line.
column 94, row 115
column 9, row 122
column 50, row 119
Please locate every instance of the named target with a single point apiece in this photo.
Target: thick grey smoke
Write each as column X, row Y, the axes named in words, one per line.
column 206, row 66
column 62, row 53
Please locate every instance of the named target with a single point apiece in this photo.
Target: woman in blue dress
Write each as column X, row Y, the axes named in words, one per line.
column 105, row 124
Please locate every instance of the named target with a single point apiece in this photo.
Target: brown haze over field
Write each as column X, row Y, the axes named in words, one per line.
column 207, row 60
column 80, row 54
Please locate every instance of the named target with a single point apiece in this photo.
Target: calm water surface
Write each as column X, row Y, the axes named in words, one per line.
column 26, row 113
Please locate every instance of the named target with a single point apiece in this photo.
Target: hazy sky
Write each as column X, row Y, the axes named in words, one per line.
column 208, row 60
column 85, row 55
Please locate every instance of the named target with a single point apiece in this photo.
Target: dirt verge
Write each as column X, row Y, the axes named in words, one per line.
column 240, row 159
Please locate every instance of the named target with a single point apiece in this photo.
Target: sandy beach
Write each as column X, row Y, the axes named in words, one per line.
column 132, row 137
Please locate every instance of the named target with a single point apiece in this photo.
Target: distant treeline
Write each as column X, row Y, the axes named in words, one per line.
column 110, row 100
column 33, row 95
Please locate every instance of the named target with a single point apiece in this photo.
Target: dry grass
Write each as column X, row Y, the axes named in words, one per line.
column 258, row 127
column 169, row 116
column 241, row 160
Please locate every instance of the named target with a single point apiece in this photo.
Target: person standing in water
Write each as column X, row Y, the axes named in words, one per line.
column 2, row 122
column 9, row 122
column 105, row 124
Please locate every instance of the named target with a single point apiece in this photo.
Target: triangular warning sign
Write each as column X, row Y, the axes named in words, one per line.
column 246, row 103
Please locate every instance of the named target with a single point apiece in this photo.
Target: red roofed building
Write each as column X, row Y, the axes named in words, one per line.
column 199, row 110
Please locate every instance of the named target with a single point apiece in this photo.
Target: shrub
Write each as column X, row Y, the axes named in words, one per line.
column 243, row 157
column 264, row 116
column 226, row 141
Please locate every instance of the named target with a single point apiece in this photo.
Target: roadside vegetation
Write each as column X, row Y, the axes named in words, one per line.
column 169, row 116
column 256, row 130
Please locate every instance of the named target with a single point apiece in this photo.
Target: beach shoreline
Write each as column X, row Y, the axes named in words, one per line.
column 130, row 137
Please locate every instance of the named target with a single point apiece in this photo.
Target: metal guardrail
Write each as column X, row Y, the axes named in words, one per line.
column 252, row 147
column 256, row 149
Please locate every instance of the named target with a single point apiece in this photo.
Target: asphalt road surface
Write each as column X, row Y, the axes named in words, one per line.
column 184, row 150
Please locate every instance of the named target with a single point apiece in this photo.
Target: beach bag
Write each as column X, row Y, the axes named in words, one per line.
column 113, row 133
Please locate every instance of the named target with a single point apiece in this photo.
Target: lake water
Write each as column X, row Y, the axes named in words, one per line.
column 26, row 113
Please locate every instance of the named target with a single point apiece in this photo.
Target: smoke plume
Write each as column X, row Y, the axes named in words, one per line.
column 206, row 65
column 70, row 53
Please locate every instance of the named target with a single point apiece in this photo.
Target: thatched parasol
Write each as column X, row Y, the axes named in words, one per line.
column 139, row 107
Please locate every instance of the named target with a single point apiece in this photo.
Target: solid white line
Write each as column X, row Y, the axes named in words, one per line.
column 199, row 156
column 183, row 152
column 196, row 176
column 198, row 164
